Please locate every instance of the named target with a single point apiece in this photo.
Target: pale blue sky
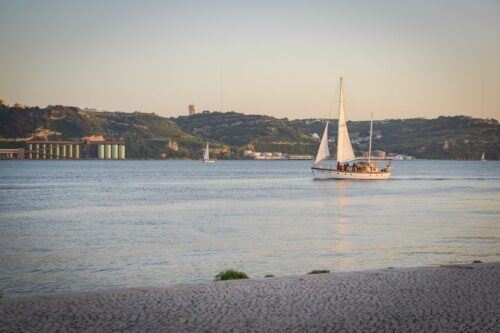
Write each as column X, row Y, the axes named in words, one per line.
column 400, row 59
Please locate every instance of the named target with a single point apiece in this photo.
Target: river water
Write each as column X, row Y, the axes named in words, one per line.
column 86, row 225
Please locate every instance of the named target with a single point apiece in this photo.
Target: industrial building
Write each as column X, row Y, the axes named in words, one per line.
column 376, row 154
column 75, row 150
column 192, row 110
column 255, row 155
column 12, row 154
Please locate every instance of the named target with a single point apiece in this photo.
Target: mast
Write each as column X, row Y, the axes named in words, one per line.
column 371, row 130
column 341, row 112
column 482, row 96
column 220, row 91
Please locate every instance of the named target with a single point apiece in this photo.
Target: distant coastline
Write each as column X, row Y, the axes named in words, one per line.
column 254, row 160
column 235, row 136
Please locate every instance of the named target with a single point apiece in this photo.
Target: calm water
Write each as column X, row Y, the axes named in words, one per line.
column 82, row 225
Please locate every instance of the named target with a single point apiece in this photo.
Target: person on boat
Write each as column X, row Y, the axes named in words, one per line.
column 354, row 167
column 388, row 166
column 338, row 166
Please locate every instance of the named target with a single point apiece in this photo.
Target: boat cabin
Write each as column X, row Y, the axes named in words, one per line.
column 361, row 166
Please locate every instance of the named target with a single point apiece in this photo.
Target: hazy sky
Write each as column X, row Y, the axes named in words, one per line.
column 399, row 59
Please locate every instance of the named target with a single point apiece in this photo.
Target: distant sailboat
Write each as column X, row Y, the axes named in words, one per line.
column 483, row 158
column 345, row 154
column 206, row 156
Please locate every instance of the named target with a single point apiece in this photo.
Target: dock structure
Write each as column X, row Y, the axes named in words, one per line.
column 12, row 154
column 75, row 150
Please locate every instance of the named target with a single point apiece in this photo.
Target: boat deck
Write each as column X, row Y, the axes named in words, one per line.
column 329, row 173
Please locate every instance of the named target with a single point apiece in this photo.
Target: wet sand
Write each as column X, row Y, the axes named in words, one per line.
column 445, row 299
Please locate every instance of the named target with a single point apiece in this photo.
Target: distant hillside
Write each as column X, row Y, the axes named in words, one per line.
column 240, row 131
column 148, row 135
column 456, row 137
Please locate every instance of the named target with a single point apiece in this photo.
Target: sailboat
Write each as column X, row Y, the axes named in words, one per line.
column 206, row 156
column 483, row 158
column 345, row 154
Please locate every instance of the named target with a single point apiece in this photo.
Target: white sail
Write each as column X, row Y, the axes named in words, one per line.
column 206, row 156
column 323, row 151
column 344, row 146
column 483, row 158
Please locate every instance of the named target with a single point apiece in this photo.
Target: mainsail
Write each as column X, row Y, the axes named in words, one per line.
column 323, row 151
column 206, row 156
column 344, row 146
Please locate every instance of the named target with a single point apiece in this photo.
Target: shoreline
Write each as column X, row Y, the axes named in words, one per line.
column 446, row 298
column 257, row 279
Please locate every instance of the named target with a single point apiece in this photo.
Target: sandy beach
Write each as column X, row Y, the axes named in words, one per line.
column 446, row 299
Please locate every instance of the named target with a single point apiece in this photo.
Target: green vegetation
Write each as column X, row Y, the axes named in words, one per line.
column 2, row 290
column 458, row 137
column 319, row 271
column 147, row 135
column 230, row 274
column 240, row 131
column 268, row 275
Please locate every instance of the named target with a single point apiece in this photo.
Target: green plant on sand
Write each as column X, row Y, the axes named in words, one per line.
column 230, row 274
column 319, row 271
